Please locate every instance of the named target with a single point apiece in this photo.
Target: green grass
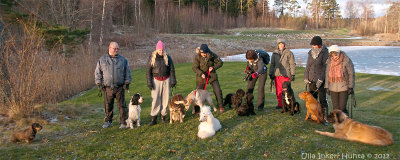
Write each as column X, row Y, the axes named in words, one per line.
column 269, row 134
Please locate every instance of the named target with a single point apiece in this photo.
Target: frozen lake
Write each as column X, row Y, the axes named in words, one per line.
column 384, row 60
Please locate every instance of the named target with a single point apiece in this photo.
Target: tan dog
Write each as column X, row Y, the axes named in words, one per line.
column 26, row 135
column 348, row 129
column 313, row 107
column 176, row 108
column 198, row 97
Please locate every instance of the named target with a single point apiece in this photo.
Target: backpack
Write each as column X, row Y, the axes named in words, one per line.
column 264, row 55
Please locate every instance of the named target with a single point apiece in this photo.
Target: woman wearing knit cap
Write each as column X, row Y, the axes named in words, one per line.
column 160, row 76
column 314, row 74
column 282, row 68
column 205, row 64
column 339, row 77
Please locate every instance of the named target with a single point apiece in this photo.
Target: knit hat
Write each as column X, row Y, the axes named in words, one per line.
column 160, row 45
column 204, row 48
column 281, row 40
column 334, row 48
column 316, row 41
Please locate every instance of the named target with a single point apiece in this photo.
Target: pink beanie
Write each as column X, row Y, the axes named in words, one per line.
column 160, row 45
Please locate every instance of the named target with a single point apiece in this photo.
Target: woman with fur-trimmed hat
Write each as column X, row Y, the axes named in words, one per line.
column 160, row 74
column 282, row 68
column 205, row 64
column 340, row 78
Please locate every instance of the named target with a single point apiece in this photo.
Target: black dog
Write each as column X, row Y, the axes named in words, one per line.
column 235, row 99
column 247, row 108
column 288, row 99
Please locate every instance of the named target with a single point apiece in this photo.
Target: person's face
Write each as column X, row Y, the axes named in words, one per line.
column 113, row 49
column 160, row 51
column 335, row 55
column 203, row 54
column 315, row 46
column 251, row 60
column 281, row 46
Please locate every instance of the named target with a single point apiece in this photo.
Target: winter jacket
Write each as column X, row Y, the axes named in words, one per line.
column 258, row 66
column 201, row 65
column 160, row 66
column 315, row 68
column 112, row 72
column 282, row 65
column 348, row 75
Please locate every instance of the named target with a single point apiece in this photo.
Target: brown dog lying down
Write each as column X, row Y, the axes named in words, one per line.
column 313, row 107
column 26, row 135
column 348, row 129
column 198, row 97
column 176, row 108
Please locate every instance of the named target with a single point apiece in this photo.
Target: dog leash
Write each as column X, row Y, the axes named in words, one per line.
column 208, row 76
column 353, row 103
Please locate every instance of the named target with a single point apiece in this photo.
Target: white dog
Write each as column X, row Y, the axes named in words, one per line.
column 208, row 124
column 134, row 111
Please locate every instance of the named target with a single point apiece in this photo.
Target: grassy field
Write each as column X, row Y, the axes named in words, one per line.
column 269, row 134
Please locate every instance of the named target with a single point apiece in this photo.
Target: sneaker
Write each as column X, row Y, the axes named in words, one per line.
column 107, row 124
column 122, row 126
column 278, row 107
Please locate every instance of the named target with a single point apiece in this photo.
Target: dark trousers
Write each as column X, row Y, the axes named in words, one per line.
column 339, row 100
column 217, row 91
column 320, row 95
column 109, row 95
column 260, row 90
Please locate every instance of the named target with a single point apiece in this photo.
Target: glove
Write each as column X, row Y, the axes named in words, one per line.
column 328, row 92
column 271, row 76
column 306, row 81
column 350, row 91
column 254, row 75
column 292, row 78
column 319, row 83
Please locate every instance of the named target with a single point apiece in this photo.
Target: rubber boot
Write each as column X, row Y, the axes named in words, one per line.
column 153, row 120
column 325, row 113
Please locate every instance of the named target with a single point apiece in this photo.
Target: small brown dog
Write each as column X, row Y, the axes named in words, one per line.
column 348, row 129
column 198, row 97
column 313, row 107
column 26, row 135
column 176, row 108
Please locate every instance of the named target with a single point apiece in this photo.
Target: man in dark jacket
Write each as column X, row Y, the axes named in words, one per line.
column 113, row 75
column 205, row 64
column 257, row 69
column 314, row 74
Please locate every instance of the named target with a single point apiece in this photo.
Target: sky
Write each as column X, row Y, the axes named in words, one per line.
column 379, row 6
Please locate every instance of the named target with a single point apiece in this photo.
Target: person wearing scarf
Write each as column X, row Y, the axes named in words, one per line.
column 340, row 77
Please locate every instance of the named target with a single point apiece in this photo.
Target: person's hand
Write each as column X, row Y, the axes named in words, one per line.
column 126, row 86
column 328, row 92
column 306, row 81
column 210, row 69
column 319, row 83
column 271, row 76
column 292, row 78
column 254, row 75
column 350, row 91
column 203, row 76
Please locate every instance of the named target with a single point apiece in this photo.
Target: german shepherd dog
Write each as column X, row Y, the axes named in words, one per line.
column 288, row 99
column 26, row 135
column 349, row 129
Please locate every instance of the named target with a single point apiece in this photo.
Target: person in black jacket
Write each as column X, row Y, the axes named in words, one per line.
column 257, row 69
column 314, row 74
column 160, row 76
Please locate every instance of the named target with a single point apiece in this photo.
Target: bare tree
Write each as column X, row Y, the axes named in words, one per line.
column 102, row 23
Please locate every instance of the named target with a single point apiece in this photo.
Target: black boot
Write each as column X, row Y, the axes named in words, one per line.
column 162, row 119
column 153, row 120
column 325, row 113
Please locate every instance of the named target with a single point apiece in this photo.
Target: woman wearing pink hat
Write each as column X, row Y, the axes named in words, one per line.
column 160, row 76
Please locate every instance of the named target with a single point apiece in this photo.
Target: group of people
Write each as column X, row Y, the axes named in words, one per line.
column 328, row 71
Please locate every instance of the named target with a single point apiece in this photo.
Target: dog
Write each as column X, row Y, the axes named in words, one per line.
column 208, row 124
column 26, row 135
column 349, row 129
column 176, row 108
column 247, row 108
column 198, row 97
column 313, row 107
column 134, row 111
column 235, row 99
column 288, row 99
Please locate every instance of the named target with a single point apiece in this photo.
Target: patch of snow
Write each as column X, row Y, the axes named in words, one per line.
column 377, row 88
